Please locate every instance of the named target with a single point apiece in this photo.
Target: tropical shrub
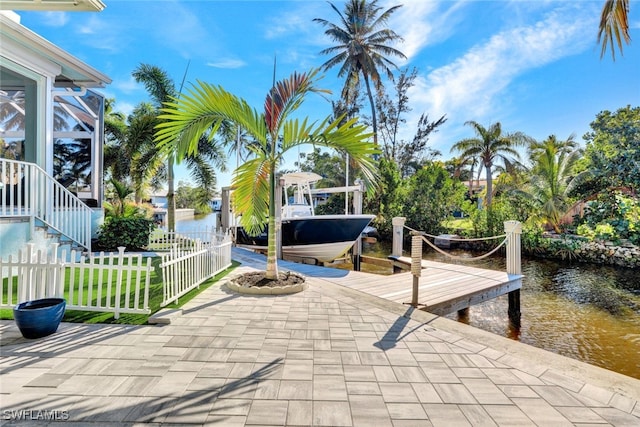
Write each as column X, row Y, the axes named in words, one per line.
column 130, row 232
column 532, row 240
column 605, row 232
column 611, row 216
column 388, row 200
column 432, row 196
column 490, row 221
column 333, row 206
column 586, row 231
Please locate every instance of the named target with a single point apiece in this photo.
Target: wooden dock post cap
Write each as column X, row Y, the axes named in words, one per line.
column 513, row 227
column 398, row 220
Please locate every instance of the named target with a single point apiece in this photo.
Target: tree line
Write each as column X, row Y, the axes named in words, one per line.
column 406, row 176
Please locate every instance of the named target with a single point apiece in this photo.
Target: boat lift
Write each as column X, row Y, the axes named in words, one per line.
column 227, row 221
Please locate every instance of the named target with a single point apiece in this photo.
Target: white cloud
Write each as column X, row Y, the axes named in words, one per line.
column 92, row 26
column 100, row 34
column 127, row 85
column 423, row 23
column 227, row 63
column 55, row 19
column 473, row 86
column 125, row 107
column 177, row 27
column 296, row 20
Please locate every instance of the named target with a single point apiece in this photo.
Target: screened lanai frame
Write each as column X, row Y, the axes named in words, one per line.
column 78, row 132
column 52, row 94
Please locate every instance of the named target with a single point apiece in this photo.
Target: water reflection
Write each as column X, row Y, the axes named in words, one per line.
column 197, row 223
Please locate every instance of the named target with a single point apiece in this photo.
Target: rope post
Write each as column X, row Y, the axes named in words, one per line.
column 398, row 227
column 357, row 210
column 416, row 266
column 513, row 229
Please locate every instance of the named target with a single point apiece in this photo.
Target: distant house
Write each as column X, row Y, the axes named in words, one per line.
column 159, row 200
column 51, row 136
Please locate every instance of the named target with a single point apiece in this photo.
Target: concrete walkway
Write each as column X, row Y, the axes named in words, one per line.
column 327, row 356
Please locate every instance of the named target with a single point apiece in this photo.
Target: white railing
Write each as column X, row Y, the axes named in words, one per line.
column 186, row 269
column 115, row 283
column 27, row 190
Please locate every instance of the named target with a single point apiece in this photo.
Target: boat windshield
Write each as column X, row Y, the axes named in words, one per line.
column 301, row 203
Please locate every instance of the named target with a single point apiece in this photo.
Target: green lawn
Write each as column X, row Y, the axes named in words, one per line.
column 457, row 225
column 92, row 292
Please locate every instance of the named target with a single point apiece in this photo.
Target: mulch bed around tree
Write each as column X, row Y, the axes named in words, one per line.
column 258, row 279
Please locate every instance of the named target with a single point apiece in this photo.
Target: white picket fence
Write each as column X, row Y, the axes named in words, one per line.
column 115, row 283
column 184, row 269
column 35, row 274
column 162, row 240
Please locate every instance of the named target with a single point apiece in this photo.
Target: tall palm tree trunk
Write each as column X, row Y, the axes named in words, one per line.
column 489, row 185
column 272, row 255
column 374, row 121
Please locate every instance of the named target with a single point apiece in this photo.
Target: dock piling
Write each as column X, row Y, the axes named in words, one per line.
column 398, row 230
column 513, row 229
column 416, row 267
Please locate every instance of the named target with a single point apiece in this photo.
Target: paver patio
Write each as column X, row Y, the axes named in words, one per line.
column 327, row 356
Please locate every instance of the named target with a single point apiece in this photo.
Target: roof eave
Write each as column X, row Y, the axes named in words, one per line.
column 21, row 34
column 54, row 5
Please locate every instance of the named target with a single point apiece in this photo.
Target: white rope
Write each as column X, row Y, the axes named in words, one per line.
column 463, row 258
column 454, row 239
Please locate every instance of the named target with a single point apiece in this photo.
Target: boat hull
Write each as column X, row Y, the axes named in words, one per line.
column 324, row 238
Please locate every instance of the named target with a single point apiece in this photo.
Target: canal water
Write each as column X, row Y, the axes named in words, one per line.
column 588, row 312
column 197, row 223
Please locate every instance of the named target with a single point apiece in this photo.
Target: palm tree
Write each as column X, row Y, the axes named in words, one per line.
column 489, row 145
column 115, row 129
column 363, row 48
column 274, row 133
column 552, row 172
column 614, row 25
column 120, row 193
column 145, row 165
column 201, row 162
column 161, row 89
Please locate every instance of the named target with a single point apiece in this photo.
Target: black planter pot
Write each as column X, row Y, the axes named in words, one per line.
column 39, row 318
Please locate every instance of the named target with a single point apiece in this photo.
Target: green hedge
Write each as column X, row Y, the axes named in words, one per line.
column 131, row 232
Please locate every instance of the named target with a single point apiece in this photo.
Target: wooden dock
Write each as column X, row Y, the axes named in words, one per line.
column 443, row 288
column 446, row 288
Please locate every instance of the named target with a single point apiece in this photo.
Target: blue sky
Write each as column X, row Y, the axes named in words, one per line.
column 534, row 66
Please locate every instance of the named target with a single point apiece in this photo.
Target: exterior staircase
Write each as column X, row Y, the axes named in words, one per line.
column 54, row 215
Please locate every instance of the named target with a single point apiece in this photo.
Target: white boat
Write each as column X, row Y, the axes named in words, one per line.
column 305, row 234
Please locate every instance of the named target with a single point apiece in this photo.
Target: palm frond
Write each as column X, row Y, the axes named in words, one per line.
column 614, row 26
column 251, row 194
